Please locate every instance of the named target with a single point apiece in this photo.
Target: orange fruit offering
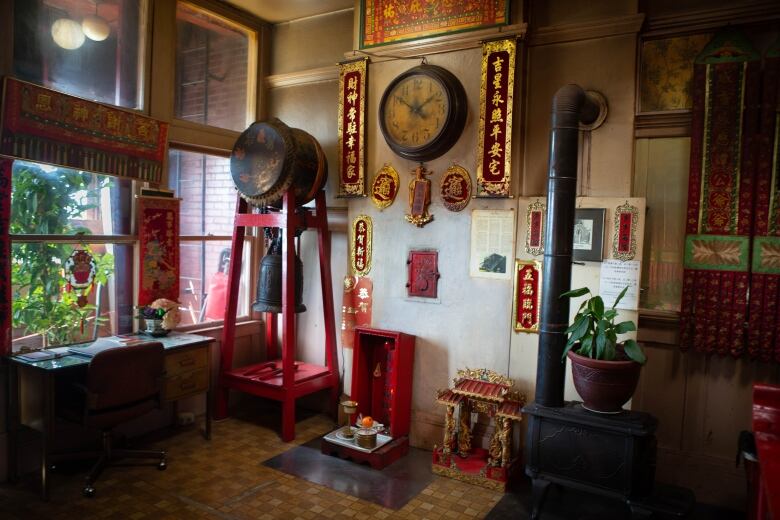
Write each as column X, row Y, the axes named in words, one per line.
column 367, row 422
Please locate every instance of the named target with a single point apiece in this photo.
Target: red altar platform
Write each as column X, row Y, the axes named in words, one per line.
column 482, row 391
column 382, row 368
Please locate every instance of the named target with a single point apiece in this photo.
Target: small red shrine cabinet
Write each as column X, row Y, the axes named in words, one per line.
column 382, row 367
column 490, row 393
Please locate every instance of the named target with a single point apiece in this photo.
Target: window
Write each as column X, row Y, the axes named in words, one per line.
column 207, row 211
column 55, row 211
column 661, row 175
column 88, row 48
column 214, row 58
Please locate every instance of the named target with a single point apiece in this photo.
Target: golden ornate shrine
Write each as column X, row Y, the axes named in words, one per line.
column 486, row 392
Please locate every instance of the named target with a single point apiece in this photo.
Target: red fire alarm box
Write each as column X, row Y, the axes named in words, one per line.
column 382, row 369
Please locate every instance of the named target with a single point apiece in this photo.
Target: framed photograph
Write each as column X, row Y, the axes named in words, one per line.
column 588, row 234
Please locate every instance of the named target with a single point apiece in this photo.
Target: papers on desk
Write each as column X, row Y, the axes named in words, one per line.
column 90, row 350
column 38, row 355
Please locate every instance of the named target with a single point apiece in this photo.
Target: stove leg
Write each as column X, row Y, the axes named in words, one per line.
column 540, row 487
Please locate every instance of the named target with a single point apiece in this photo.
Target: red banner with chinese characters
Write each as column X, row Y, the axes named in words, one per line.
column 352, row 110
column 624, row 240
column 5, row 257
column 158, row 239
column 47, row 126
column 494, row 152
column 360, row 248
column 528, row 295
column 534, row 238
column 387, row 21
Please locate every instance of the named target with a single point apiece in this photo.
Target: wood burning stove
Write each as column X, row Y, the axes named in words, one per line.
column 610, row 455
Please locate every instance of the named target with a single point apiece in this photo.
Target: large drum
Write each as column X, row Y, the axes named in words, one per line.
column 270, row 157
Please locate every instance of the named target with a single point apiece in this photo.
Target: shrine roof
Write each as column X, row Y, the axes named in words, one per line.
column 480, row 389
column 449, row 397
column 510, row 409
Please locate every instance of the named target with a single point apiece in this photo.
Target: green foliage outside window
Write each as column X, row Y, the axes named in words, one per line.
column 44, row 203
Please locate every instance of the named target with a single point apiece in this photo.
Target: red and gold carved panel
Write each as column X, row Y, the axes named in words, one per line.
column 387, row 21
column 43, row 125
column 158, row 240
column 455, row 188
column 360, row 247
column 528, row 296
column 494, row 151
column 624, row 240
column 385, row 187
column 423, row 279
column 534, row 237
column 352, row 112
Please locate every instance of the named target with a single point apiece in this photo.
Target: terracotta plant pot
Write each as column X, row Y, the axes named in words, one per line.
column 604, row 386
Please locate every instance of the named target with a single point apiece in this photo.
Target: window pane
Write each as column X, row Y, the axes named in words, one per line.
column 212, row 66
column 46, row 309
column 204, row 275
column 207, row 191
column 48, row 200
column 662, row 177
column 82, row 47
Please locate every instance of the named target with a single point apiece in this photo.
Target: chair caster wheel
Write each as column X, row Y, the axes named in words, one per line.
column 88, row 491
column 162, row 465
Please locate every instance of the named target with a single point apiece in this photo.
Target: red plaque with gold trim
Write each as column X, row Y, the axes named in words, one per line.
column 528, row 295
column 534, row 238
column 352, row 110
column 624, row 240
column 385, row 187
column 455, row 188
column 360, row 248
column 494, row 151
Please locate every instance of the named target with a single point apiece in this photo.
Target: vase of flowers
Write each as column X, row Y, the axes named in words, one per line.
column 160, row 317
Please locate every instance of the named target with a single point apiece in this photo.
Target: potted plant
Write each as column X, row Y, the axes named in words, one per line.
column 605, row 371
column 160, row 317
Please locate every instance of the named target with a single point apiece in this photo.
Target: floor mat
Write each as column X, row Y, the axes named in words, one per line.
column 391, row 487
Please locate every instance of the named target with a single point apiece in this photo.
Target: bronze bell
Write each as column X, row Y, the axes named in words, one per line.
column 269, row 281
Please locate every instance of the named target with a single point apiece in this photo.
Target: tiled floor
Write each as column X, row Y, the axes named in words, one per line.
column 226, row 479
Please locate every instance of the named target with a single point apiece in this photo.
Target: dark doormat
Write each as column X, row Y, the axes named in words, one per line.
column 391, row 487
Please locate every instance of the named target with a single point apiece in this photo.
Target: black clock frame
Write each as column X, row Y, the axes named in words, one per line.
column 453, row 125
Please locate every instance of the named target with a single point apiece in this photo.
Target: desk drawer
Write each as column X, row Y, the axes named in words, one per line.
column 179, row 362
column 189, row 383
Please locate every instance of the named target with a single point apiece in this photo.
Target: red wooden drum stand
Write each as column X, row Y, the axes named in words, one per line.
column 282, row 379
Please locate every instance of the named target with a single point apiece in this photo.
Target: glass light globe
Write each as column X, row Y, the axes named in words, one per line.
column 67, row 33
column 95, row 28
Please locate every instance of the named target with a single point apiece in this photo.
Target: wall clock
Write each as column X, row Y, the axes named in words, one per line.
column 422, row 112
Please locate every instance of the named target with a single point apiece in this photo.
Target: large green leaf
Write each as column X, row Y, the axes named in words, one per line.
column 610, row 314
column 634, row 351
column 575, row 292
column 581, row 327
column 625, row 326
column 620, row 296
column 596, row 305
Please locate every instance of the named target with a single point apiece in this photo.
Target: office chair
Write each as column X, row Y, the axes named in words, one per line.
column 121, row 384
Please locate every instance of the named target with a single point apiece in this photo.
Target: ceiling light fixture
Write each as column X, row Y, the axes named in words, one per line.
column 67, row 33
column 95, row 27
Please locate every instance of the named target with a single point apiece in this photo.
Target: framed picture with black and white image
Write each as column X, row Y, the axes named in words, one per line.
column 588, row 234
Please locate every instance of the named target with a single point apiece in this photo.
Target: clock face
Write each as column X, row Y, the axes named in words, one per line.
column 422, row 112
column 415, row 111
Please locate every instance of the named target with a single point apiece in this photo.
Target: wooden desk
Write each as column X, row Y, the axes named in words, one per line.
column 187, row 373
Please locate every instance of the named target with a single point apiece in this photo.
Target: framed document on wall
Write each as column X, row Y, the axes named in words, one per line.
column 588, row 234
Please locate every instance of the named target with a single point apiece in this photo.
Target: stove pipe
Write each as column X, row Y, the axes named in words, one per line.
column 571, row 106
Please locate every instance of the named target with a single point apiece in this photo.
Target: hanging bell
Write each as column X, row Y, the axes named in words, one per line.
column 269, row 281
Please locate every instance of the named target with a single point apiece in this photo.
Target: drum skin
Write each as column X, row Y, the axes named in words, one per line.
column 269, row 158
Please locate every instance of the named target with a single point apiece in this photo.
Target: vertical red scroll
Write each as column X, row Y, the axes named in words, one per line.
column 158, row 239
column 360, row 248
column 528, row 295
column 494, row 152
column 352, row 111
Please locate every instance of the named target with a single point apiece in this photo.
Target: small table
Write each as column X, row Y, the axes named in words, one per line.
column 187, row 372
